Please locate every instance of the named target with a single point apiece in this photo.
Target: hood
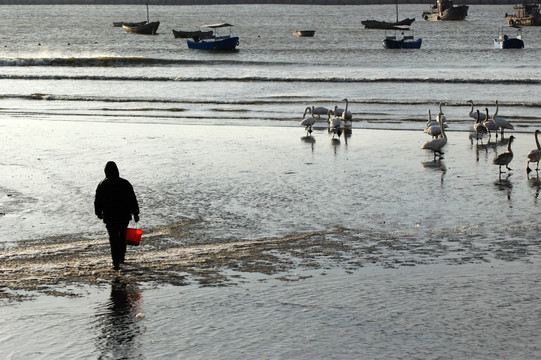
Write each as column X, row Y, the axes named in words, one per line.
column 111, row 170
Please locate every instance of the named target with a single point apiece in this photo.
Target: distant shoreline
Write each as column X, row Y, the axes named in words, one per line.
column 248, row 2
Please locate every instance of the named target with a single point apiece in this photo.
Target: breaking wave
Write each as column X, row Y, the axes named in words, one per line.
column 121, row 62
column 295, row 79
column 267, row 101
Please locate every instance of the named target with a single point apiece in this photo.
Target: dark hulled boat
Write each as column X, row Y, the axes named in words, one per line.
column 146, row 29
column 385, row 25
column 445, row 10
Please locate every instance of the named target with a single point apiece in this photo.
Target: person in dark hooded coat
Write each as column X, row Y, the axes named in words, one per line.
column 115, row 202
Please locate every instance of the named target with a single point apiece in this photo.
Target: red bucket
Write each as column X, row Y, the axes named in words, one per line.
column 133, row 236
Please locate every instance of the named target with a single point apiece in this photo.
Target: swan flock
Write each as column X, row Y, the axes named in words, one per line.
column 340, row 119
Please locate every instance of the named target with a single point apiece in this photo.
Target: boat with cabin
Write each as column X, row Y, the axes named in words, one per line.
column 446, row 10
column 525, row 15
column 217, row 41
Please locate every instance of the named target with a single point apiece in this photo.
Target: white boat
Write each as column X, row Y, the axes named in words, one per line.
column 503, row 41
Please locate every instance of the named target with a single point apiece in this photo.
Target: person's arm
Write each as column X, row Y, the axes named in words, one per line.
column 98, row 205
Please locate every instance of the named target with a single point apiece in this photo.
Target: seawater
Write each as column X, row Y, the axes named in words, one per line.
column 441, row 255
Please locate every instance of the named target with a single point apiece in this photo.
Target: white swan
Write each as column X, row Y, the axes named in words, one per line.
column 346, row 115
column 490, row 125
column 505, row 158
column 437, row 144
column 335, row 124
column 442, row 115
column 479, row 128
column 320, row 110
column 472, row 112
column 501, row 122
column 337, row 111
column 535, row 154
column 308, row 122
column 432, row 127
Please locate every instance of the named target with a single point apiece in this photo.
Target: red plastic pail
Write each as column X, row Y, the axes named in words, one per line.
column 133, row 236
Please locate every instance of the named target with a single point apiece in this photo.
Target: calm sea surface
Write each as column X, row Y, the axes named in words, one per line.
column 431, row 259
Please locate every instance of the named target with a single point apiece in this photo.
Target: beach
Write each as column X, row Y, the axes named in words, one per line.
column 262, row 240
column 342, row 258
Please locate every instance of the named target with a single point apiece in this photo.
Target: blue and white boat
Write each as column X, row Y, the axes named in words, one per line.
column 503, row 41
column 217, row 41
column 402, row 42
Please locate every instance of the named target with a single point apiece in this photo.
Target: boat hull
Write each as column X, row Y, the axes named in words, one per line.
column 384, row 25
column 120, row 23
column 513, row 43
column 402, row 44
column 146, row 29
column 304, row 33
column 221, row 44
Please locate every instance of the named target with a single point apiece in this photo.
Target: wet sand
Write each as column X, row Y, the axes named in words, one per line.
column 263, row 200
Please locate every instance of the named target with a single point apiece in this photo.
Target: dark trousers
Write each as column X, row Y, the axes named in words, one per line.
column 117, row 239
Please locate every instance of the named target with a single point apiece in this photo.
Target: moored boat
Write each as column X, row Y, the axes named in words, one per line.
column 525, row 15
column 445, row 10
column 385, row 25
column 217, row 41
column 304, row 33
column 146, row 29
column 503, row 41
column 120, row 23
column 402, row 42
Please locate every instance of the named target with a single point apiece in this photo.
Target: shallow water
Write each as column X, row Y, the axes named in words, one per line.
column 261, row 242
column 481, row 311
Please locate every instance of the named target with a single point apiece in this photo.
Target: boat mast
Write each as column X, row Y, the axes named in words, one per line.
column 396, row 10
column 148, row 18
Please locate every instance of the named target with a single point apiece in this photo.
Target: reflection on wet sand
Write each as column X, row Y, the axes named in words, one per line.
column 117, row 324
column 309, row 139
column 436, row 165
column 504, row 185
column 535, row 184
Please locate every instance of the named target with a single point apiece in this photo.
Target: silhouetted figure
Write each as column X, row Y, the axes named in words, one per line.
column 115, row 203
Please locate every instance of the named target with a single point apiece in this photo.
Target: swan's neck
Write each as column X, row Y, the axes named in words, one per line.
column 471, row 109
column 440, row 121
column 495, row 111
column 537, row 141
column 509, row 145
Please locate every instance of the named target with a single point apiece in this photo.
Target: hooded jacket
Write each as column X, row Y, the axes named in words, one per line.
column 115, row 200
